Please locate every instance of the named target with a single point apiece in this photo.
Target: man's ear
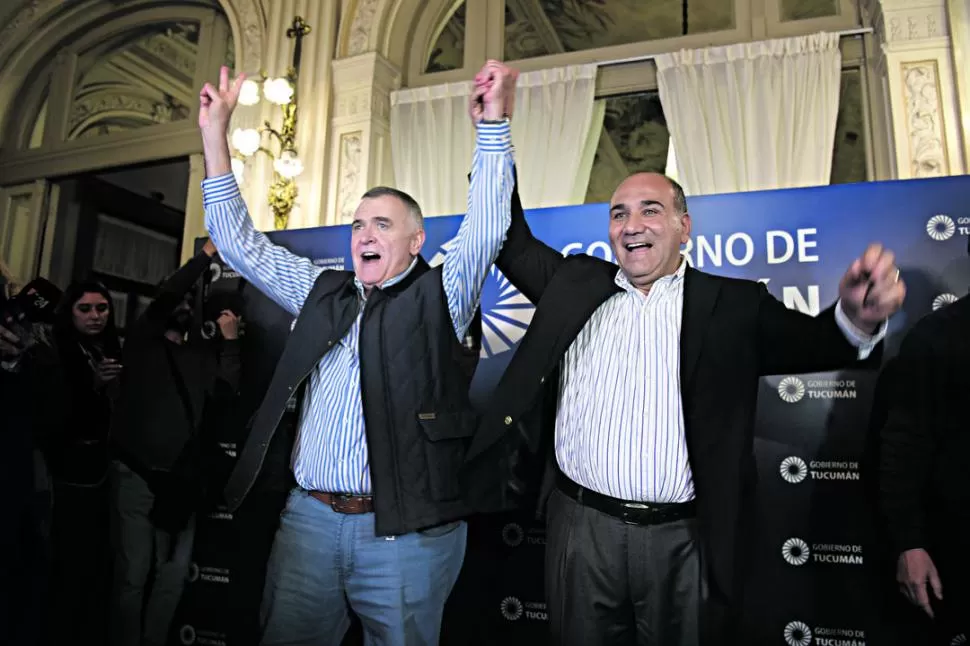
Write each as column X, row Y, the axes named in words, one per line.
column 417, row 241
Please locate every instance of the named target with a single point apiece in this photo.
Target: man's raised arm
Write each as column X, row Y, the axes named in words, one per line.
column 483, row 228
column 280, row 274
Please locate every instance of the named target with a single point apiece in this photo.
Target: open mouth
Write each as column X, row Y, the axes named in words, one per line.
column 635, row 246
column 370, row 256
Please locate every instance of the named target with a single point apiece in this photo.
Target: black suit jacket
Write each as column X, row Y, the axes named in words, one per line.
column 924, row 483
column 733, row 331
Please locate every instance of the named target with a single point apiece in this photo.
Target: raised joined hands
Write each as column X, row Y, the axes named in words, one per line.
column 493, row 97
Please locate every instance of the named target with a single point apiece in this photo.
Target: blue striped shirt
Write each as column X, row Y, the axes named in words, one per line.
column 330, row 453
column 620, row 421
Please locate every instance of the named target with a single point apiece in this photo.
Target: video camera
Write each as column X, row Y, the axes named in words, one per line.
column 213, row 308
column 35, row 303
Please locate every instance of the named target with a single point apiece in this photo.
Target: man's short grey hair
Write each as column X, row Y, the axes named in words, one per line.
column 680, row 200
column 412, row 205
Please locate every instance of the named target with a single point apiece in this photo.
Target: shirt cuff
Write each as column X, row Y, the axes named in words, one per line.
column 219, row 189
column 866, row 343
column 494, row 137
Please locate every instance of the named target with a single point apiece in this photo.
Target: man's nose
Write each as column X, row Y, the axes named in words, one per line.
column 633, row 225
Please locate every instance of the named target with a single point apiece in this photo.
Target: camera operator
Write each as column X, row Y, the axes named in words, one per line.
column 17, row 478
column 25, row 505
column 170, row 377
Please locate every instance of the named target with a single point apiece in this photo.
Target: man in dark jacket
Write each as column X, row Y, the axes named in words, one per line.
column 637, row 385
column 168, row 379
column 374, row 524
column 924, row 483
column 26, row 365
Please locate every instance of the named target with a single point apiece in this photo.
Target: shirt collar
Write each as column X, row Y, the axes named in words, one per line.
column 623, row 282
column 390, row 281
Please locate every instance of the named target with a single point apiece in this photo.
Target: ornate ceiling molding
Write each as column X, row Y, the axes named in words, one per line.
column 362, row 28
column 245, row 16
column 111, row 102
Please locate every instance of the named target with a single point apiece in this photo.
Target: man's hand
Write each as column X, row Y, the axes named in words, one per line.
column 871, row 290
column 913, row 570
column 215, row 110
column 493, row 97
column 228, row 324
column 217, row 104
column 209, row 249
column 11, row 347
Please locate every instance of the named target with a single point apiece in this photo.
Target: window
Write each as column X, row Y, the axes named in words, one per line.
column 116, row 94
column 543, row 27
column 448, row 52
column 806, row 9
column 634, row 139
column 849, row 155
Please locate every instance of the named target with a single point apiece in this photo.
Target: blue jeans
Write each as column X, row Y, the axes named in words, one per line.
column 138, row 545
column 325, row 564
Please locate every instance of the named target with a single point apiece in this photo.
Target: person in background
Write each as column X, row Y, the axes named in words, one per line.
column 636, row 384
column 25, row 506
column 924, row 483
column 386, row 406
column 169, row 378
column 76, row 399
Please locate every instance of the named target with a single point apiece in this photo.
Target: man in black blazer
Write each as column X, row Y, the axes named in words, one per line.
column 637, row 387
column 924, row 483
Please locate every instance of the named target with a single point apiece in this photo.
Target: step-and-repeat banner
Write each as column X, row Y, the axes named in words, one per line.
column 811, row 580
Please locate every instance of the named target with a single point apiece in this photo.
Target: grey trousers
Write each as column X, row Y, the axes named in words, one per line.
column 613, row 584
column 144, row 607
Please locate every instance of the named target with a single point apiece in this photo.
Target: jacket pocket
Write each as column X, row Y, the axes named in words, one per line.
column 447, row 435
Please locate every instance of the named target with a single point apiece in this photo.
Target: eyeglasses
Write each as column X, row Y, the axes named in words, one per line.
column 85, row 308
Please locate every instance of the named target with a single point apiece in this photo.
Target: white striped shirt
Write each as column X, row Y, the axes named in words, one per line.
column 330, row 453
column 620, row 420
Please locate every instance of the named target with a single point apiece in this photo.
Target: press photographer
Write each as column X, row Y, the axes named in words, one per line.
column 172, row 375
column 26, row 316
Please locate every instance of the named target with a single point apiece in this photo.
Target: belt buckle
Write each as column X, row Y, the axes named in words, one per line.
column 341, row 503
column 629, row 508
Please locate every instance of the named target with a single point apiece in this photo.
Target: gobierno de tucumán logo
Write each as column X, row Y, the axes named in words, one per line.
column 506, row 313
column 941, row 227
column 798, row 633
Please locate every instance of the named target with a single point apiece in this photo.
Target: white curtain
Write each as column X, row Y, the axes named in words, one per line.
column 555, row 130
column 431, row 146
column 752, row 116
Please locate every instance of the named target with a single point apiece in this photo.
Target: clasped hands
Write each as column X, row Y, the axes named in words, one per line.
column 871, row 290
column 493, row 96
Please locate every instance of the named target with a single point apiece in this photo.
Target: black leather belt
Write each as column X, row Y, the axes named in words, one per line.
column 630, row 512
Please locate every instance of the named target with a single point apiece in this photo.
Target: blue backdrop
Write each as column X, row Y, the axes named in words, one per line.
column 814, row 548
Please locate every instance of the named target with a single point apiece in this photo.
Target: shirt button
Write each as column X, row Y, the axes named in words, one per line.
column 542, row 380
column 329, row 343
column 508, row 420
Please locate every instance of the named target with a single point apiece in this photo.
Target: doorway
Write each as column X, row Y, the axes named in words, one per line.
column 122, row 227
